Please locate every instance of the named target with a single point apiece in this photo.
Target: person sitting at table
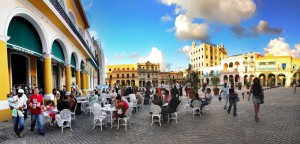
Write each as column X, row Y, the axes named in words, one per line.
column 49, row 108
column 157, row 100
column 139, row 97
column 103, row 97
column 62, row 104
column 121, row 106
column 123, row 97
column 166, row 97
column 95, row 96
column 73, row 103
column 195, row 98
column 131, row 95
column 113, row 94
column 172, row 106
column 207, row 98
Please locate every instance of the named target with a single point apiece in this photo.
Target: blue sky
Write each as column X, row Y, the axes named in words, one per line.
column 129, row 29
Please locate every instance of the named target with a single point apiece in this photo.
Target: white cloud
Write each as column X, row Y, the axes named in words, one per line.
column 94, row 34
column 278, row 47
column 186, row 49
column 119, row 56
column 88, row 5
column 222, row 11
column 156, row 56
column 186, row 30
column 166, row 18
column 264, row 28
column 171, row 29
column 134, row 56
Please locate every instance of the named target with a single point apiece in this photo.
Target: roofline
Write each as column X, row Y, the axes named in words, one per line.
column 82, row 13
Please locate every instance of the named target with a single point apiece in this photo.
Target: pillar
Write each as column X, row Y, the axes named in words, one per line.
column 68, row 78
column 84, row 83
column 5, row 112
column 48, row 77
column 87, row 82
column 78, row 78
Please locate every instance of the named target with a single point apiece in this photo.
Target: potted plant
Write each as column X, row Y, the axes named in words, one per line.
column 215, row 83
column 239, row 85
column 192, row 78
column 247, row 85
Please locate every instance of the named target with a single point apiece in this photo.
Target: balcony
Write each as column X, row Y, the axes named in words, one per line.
column 229, row 71
column 63, row 14
column 147, row 71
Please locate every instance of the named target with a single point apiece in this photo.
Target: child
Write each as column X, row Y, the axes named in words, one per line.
column 49, row 108
column 12, row 103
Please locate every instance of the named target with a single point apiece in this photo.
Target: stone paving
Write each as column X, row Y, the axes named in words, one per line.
column 279, row 123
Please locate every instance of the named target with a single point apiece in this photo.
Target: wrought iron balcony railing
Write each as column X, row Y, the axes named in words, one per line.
column 63, row 14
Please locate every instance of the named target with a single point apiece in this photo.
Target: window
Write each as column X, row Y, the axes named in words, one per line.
column 123, row 68
column 122, row 75
column 80, row 31
column 117, row 75
column 148, row 76
column 206, row 64
column 127, row 75
column 72, row 18
column 201, row 49
column 114, row 69
column 132, row 75
column 211, row 57
column 206, row 56
column 62, row 4
column 132, row 68
column 118, row 68
column 215, row 63
column 110, row 76
column 109, row 69
column 216, row 57
column 202, row 56
column 127, row 68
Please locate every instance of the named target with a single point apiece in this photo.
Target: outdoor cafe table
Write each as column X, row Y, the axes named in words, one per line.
column 107, row 108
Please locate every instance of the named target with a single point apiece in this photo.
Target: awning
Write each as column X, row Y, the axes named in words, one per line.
column 24, row 50
column 93, row 63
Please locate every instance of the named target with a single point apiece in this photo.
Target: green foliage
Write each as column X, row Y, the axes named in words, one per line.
column 193, row 78
column 239, row 85
column 215, row 81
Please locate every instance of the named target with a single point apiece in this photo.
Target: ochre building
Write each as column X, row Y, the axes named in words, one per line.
column 122, row 74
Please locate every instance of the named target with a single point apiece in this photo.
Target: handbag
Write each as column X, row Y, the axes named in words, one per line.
column 262, row 97
column 220, row 98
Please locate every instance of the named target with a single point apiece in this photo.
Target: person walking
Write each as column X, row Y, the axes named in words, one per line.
column 18, row 119
column 36, row 107
column 232, row 99
column 257, row 91
column 294, row 86
column 180, row 89
column 225, row 95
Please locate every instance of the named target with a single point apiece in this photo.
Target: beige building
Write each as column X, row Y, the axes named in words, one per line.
column 148, row 74
column 164, row 77
column 206, row 55
column 122, row 74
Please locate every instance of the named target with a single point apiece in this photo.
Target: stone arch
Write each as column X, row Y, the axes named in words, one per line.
column 67, row 56
column 225, row 66
column 225, row 78
column 262, row 78
column 77, row 61
column 271, row 80
column 30, row 17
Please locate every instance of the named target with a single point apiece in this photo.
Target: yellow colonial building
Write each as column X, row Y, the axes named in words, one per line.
column 45, row 44
column 277, row 70
column 122, row 74
column 148, row 74
column 206, row 55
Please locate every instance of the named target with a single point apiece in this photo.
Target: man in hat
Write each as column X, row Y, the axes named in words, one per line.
column 19, row 119
column 36, row 107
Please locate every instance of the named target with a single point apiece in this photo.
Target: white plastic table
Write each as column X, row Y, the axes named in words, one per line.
column 111, row 110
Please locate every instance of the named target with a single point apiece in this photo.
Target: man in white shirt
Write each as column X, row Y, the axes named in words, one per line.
column 19, row 119
column 103, row 97
column 225, row 95
column 113, row 94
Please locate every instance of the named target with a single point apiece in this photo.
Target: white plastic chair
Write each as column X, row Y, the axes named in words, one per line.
column 89, row 107
column 46, row 118
column 140, row 106
column 98, row 116
column 97, row 105
column 175, row 113
column 127, row 118
column 65, row 116
column 207, row 107
column 156, row 112
column 196, row 106
column 134, row 105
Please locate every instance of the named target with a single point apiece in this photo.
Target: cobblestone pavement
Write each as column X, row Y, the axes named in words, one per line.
column 279, row 123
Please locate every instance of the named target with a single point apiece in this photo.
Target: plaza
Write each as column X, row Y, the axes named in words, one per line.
column 279, row 123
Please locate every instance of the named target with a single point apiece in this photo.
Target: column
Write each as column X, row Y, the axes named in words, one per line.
column 78, row 78
column 48, row 77
column 87, row 82
column 5, row 112
column 68, row 78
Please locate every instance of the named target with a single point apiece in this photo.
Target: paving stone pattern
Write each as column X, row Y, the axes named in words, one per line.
column 279, row 123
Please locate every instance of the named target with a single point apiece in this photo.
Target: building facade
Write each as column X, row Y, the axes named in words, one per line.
column 277, row 70
column 44, row 44
column 166, row 77
column 123, row 75
column 148, row 74
column 206, row 55
column 239, row 68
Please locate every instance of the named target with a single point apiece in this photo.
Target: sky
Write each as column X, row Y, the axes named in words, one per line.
column 162, row 31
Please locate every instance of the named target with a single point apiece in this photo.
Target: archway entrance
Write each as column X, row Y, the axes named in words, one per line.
column 231, row 79
column 245, row 79
column 281, row 79
column 271, row 80
column 251, row 78
column 20, row 70
column 262, row 79
column 207, row 81
column 225, row 79
column 237, row 78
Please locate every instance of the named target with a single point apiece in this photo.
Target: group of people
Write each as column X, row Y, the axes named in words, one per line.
column 230, row 95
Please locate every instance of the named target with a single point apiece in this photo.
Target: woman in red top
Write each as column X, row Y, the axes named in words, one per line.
column 121, row 106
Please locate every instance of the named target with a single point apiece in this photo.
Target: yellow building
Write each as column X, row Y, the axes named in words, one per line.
column 206, row 55
column 277, row 70
column 44, row 44
column 122, row 74
column 148, row 74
